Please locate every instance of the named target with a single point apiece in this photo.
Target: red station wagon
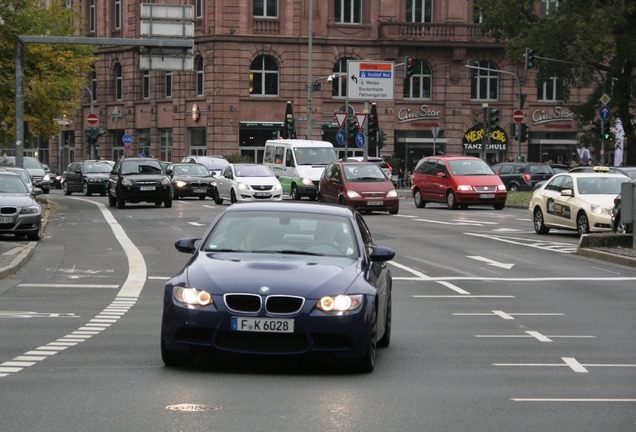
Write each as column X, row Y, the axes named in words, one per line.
column 459, row 181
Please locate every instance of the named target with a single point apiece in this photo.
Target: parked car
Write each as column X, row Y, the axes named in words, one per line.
column 384, row 165
column 522, row 176
column 360, row 185
column 88, row 177
column 213, row 164
column 39, row 177
column 268, row 278
column 617, row 225
column 247, row 182
column 24, row 175
column 20, row 214
column 628, row 171
column 458, row 181
column 190, row 180
column 135, row 180
column 580, row 201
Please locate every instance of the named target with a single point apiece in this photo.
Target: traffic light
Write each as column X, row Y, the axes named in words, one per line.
column 493, row 118
column 607, row 133
column 352, row 129
column 409, row 67
column 523, row 132
column 290, row 127
column 530, row 59
column 373, row 127
column 596, row 127
column 383, row 139
column 513, row 130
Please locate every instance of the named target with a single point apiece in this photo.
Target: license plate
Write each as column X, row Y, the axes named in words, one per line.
column 375, row 203
column 6, row 220
column 263, row 325
column 487, row 196
column 262, row 194
column 147, row 188
column 200, row 190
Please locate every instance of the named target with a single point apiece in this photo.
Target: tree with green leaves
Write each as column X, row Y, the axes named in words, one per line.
column 594, row 41
column 54, row 75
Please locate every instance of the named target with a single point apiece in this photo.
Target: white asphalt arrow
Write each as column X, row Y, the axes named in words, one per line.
column 492, row 262
column 196, row 223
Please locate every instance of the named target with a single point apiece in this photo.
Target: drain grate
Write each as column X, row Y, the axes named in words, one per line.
column 192, row 407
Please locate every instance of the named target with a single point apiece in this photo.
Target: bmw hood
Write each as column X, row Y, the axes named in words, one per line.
column 16, row 200
column 312, row 277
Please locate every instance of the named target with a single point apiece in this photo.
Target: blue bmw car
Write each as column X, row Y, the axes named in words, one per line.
column 280, row 278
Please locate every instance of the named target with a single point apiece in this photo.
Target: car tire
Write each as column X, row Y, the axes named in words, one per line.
column 366, row 364
column 112, row 201
column 419, row 201
column 217, row 199
column 85, row 190
column 232, row 196
column 36, row 235
column 498, row 206
column 538, row 222
column 168, row 203
column 582, row 223
column 342, row 201
column 201, row 197
column 174, row 358
column 451, row 202
column 121, row 202
column 46, row 190
column 394, row 211
column 385, row 341
column 514, row 187
column 67, row 191
column 312, row 197
column 175, row 195
column 294, row 194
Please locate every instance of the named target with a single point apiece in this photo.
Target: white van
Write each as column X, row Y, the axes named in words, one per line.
column 298, row 164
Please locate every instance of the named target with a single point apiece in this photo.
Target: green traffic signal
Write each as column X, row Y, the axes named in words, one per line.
column 607, row 133
column 409, row 67
column 530, row 58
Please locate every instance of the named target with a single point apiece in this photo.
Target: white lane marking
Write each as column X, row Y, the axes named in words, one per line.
column 422, row 276
column 41, row 285
column 538, row 244
column 506, row 315
column 570, row 362
column 536, row 335
column 491, row 262
column 570, row 400
column 126, row 299
column 521, row 279
column 448, row 223
column 197, row 224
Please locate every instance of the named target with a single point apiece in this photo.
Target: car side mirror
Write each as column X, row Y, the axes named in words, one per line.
column 567, row 192
column 186, row 245
column 168, row 171
column 441, row 174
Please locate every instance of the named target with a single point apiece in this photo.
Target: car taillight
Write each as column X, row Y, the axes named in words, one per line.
column 390, row 167
column 527, row 178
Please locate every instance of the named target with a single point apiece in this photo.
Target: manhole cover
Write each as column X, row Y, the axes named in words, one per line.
column 192, row 407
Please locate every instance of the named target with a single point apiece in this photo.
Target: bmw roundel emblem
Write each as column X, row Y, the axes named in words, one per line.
column 264, row 290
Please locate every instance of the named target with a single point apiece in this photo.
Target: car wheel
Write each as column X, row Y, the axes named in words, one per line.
column 386, row 338
column 201, row 197
column 36, row 235
column 85, row 190
column 46, row 190
column 312, row 197
column 367, row 363
column 498, row 206
column 67, row 191
column 393, row 211
column 217, row 199
column 582, row 223
column 419, row 202
column 451, row 202
column 539, row 226
column 342, row 201
column 175, row 195
column 174, row 358
column 121, row 202
column 513, row 187
column 232, row 196
column 294, row 194
column 112, row 201
column 168, row 203
column 319, row 197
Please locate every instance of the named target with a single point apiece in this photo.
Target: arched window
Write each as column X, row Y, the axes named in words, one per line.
column 264, row 76
column 340, row 82
column 420, row 84
column 200, row 76
column 119, row 82
column 485, row 84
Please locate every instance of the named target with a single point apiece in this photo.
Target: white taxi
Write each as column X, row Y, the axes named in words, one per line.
column 576, row 201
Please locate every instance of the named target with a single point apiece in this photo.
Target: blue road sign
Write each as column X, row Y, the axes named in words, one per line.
column 341, row 137
column 127, row 139
column 605, row 112
column 360, row 139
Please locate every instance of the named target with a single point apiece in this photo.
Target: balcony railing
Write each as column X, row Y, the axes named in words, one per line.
column 430, row 32
column 266, row 26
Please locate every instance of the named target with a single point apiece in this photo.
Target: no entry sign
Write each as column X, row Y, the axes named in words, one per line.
column 517, row 116
column 91, row 119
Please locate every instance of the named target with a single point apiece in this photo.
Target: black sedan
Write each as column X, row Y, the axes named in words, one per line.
column 190, row 179
column 280, row 278
column 87, row 177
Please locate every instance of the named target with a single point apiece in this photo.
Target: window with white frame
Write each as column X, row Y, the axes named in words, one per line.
column 117, row 14
column 551, row 90
column 548, row 6
column 266, row 8
column 200, row 76
column 145, row 84
column 91, row 16
column 339, row 88
column 419, row 85
column 264, row 76
column 348, row 11
column 419, row 11
column 485, row 83
column 119, row 82
column 168, row 84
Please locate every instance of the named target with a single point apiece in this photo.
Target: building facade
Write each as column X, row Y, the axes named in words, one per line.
column 252, row 57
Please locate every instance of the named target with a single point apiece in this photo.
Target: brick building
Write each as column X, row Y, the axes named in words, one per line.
column 251, row 57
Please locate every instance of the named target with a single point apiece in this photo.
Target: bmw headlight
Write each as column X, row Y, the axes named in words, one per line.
column 353, row 194
column 30, row 210
column 180, row 183
column 464, row 188
column 192, row 296
column 339, row 303
column 599, row 210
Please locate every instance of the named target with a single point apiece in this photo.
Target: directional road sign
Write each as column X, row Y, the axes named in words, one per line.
column 92, row 119
column 605, row 112
column 517, row 116
column 341, row 137
column 370, row 80
column 360, row 139
column 127, row 139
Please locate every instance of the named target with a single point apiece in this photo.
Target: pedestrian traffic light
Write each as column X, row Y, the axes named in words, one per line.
column 523, row 132
column 607, row 132
column 493, row 118
column 409, row 67
column 530, row 59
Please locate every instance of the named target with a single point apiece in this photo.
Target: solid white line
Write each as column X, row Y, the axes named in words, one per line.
column 39, row 285
column 539, row 336
column 464, row 296
column 570, row 400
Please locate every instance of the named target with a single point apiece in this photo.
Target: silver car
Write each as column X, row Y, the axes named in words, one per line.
column 20, row 214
